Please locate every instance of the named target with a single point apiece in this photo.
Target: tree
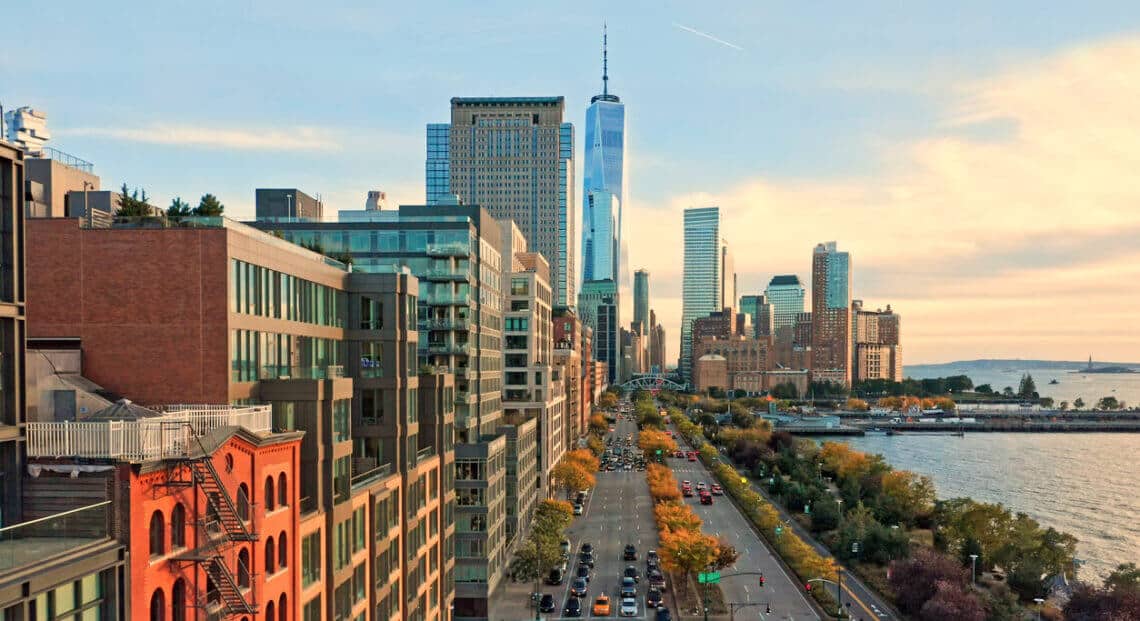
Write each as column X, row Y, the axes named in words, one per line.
column 857, row 405
column 686, row 552
column 1089, row 603
column 652, row 441
column 905, row 497
column 1007, row 392
column 1126, row 576
column 595, row 444
column 916, row 580
column 598, row 424
column 551, row 518
column 984, row 389
column 1027, row 389
column 571, row 476
column 1108, row 403
column 607, row 401
column 726, row 555
column 676, row 517
column 785, row 390
column 209, row 205
column 1064, row 405
column 178, row 208
column 951, row 602
column 824, row 515
column 133, row 203
column 1078, row 404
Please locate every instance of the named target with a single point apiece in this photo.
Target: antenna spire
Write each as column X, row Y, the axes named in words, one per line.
column 605, row 64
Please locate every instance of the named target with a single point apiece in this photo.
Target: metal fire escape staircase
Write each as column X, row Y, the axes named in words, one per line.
column 221, row 526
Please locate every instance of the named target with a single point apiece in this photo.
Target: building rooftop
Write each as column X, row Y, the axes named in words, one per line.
column 785, row 279
column 507, row 101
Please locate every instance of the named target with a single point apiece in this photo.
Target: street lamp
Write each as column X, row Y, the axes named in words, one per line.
column 1039, row 602
column 973, row 569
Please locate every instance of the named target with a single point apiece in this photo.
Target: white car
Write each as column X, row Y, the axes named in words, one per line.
column 628, row 607
column 577, row 509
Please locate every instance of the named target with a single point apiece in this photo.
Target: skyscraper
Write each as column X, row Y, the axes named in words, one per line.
column 786, row 295
column 641, row 301
column 831, row 314
column 603, row 178
column 598, row 307
column 760, row 311
column 708, row 274
column 513, row 156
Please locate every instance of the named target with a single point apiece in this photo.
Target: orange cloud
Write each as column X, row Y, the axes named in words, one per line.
column 1008, row 231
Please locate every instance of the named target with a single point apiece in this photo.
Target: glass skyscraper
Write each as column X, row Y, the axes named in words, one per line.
column 603, row 178
column 437, row 169
column 641, row 301
column 705, row 280
column 786, row 295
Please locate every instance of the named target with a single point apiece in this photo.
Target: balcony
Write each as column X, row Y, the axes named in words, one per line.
column 288, row 372
column 445, row 275
column 33, row 542
column 368, row 477
column 448, row 348
column 425, row 453
column 443, row 324
column 449, row 299
column 449, row 250
column 165, row 436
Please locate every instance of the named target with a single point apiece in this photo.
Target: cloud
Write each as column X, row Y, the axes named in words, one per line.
column 247, row 139
column 1027, row 237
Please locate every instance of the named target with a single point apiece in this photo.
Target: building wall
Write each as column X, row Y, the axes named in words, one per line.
column 702, row 291
column 12, row 326
column 58, row 179
column 710, row 372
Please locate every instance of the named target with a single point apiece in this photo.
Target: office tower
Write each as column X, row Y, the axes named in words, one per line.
column 598, row 308
column 437, row 167
column 657, row 349
column 708, row 277
column 831, row 314
column 228, row 314
column 759, row 312
column 603, row 178
column 641, row 301
column 514, row 156
column 285, row 204
column 786, row 295
column 878, row 353
column 27, row 129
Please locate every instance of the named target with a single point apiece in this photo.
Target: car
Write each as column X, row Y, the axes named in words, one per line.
column 602, row 606
column 586, row 558
column 628, row 587
column 556, row 576
column 663, row 614
column 686, row 483
column 578, row 509
column 679, row 454
column 565, row 546
column 583, row 571
column 628, row 607
column 652, row 555
column 546, row 604
column 656, row 579
column 652, row 598
column 580, row 498
column 706, row 498
column 701, row 485
column 628, row 467
column 609, row 467
column 587, row 547
column 630, row 553
column 717, row 490
column 579, row 587
column 631, row 572
column 651, row 564
column 573, row 607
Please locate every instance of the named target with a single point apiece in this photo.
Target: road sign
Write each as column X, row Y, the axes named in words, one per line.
column 779, row 530
column 708, row 577
column 658, row 451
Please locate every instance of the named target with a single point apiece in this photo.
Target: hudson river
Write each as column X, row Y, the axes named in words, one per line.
column 1085, row 484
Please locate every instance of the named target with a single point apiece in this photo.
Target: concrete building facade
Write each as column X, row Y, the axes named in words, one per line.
column 831, row 339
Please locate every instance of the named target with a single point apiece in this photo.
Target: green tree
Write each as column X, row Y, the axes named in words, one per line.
column 209, row 205
column 1064, row 405
column 1027, row 389
column 984, row 389
column 1078, row 404
column 178, row 208
column 1109, row 403
column 133, row 203
column 785, row 390
column 824, row 515
column 1126, row 577
column 1007, row 391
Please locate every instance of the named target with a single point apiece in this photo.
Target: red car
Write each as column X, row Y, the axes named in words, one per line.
column 692, row 456
column 706, row 497
column 679, row 454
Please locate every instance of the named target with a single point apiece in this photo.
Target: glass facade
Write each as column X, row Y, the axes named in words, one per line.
column 786, row 295
column 437, row 171
column 603, row 177
column 641, row 300
column 260, row 291
column 256, row 355
column 703, row 280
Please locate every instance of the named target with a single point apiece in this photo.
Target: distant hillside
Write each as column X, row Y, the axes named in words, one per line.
column 966, row 367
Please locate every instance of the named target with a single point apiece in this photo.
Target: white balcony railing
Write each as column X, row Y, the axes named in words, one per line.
column 161, row 437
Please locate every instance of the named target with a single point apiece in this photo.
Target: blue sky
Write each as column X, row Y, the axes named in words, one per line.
column 821, row 103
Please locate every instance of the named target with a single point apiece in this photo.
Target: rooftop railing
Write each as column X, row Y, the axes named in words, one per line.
column 67, row 159
column 160, row 437
column 34, row 541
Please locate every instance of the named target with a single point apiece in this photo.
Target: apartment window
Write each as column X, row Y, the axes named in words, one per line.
column 371, row 359
column 282, row 550
column 243, row 569
column 372, row 406
column 341, row 414
column 157, row 534
column 243, row 502
column 413, row 405
column 178, row 527
column 177, row 601
column 270, row 556
column 341, row 471
column 371, row 313
column 270, row 496
column 311, row 559
column 157, row 606
column 312, row 610
column 358, row 528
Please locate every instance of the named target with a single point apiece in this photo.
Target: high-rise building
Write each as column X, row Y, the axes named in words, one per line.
column 831, row 335
column 878, row 353
column 641, row 301
column 760, row 312
column 786, row 295
column 603, row 179
column 27, row 129
column 514, row 156
column 598, row 308
column 709, row 281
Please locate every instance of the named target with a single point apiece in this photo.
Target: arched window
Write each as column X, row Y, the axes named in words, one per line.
column 158, row 606
column 269, row 611
column 178, row 527
column 282, row 550
column 270, row 497
column 282, row 611
column 157, row 534
column 178, row 601
column 229, row 462
column 282, row 491
column 243, row 572
column 270, row 556
column 243, row 502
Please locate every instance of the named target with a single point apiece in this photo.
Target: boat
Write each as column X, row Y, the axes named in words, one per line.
column 1054, row 381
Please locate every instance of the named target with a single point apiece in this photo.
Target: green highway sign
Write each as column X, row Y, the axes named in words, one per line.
column 658, row 451
column 779, row 530
column 708, row 577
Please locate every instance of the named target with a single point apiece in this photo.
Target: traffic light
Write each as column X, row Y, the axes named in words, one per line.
column 807, row 587
column 761, row 580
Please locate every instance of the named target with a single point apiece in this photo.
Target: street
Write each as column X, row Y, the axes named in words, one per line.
column 618, row 511
column 782, row 592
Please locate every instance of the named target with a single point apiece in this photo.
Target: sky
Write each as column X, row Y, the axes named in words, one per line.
column 977, row 159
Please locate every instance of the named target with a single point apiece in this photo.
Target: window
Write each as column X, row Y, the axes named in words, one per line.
column 310, row 559
column 370, row 359
column 157, row 534
column 270, row 611
column 282, row 550
column 341, row 413
column 157, row 606
column 270, row 497
column 371, row 314
column 312, row 610
column 282, row 491
column 178, row 601
column 178, row 527
column 282, row 609
column 243, row 502
column 243, row 572
column 229, row 462
column 341, row 470
column 270, row 556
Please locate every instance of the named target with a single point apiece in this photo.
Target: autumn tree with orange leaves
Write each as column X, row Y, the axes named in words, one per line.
column 652, row 441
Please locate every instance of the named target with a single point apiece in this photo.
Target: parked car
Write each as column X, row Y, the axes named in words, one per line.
column 565, row 545
column 586, row 558
column 656, row 579
column 578, row 509
column 630, row 553
column 573, row 607
column 587, row 548
column 556, row 576
column 546, row 604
